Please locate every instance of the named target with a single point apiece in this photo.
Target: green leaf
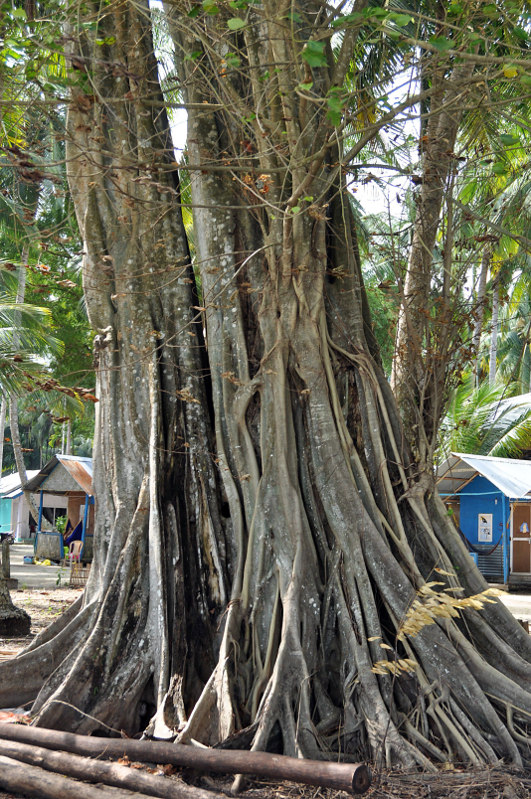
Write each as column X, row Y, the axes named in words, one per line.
column 490, row 10
column 441, row 43
column 335, row 108
column 18, row 13
column 31, row 70
column 314, row 55
column 376, row 11
column 507, row 140
column 305, row 86
column 194, row 12
column 521, row 33
column 236, row 23
column 233, row 60
column 295, row 209
column 499, row 168
column 334, row 116
column 210, row 7
column 467, row 193
column 348, row 19
column 401, row 19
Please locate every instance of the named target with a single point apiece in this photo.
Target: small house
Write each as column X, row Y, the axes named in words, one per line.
column 70, row 478
column 15, row 516
column 490, row 499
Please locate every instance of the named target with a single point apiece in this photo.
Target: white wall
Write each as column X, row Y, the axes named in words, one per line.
column 20, row 512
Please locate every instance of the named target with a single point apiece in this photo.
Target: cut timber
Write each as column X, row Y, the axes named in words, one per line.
column 33, row 781
column 88, row 770
column 352, row 777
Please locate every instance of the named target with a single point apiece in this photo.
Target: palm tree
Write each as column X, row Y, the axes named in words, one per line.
column 484, row 421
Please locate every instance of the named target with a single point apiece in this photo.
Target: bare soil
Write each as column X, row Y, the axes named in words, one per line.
column 43, row 606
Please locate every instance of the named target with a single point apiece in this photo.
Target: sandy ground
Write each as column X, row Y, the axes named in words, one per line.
column 43, row 606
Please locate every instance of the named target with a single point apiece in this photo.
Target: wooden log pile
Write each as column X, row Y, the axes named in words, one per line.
column 51, row 765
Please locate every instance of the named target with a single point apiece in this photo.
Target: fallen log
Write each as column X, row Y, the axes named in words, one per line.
column 33, row 781
column 89, row 770
column 351, row 777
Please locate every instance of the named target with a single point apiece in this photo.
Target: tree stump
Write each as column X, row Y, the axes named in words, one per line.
column 14, row 622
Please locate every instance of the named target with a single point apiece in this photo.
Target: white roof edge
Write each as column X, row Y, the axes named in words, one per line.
column 511, row 476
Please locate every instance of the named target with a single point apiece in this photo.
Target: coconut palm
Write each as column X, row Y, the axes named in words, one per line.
column 484, row 421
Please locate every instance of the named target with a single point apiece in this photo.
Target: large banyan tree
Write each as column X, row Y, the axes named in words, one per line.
column 272, row 563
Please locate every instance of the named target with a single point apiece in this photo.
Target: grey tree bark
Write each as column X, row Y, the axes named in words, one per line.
column 423, row 349
column 494, row 323
column 481, row 301
column 262, row 532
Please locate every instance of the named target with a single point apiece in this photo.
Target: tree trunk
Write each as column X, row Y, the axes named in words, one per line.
column 349, row 777
column 423, row 349
column 14, row 621
column 494, row 323
column 3, row 410
column 261, row 535
column 481, row 301
column 68, row 437
column 34, row 781
column 92, row 770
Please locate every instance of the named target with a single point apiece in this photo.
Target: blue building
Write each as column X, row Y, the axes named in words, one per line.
column 491, row 503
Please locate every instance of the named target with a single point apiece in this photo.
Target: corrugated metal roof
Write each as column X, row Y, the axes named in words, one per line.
column 510, row 475
column 10, row 485
column 80, row 469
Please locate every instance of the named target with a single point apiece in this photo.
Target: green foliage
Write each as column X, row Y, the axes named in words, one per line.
column 236, row 23
column 38, row 233
column 314, row 54
column 60, row 523
column 482, row 421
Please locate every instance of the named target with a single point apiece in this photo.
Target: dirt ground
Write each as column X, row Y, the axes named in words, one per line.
column 44, row 606
column 480, row 784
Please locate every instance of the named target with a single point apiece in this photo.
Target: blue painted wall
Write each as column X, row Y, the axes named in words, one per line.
column 5, row 515
column 489, row 501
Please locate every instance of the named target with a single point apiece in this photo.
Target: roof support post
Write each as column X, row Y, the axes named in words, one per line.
column 41, row 503
column 505, row 542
